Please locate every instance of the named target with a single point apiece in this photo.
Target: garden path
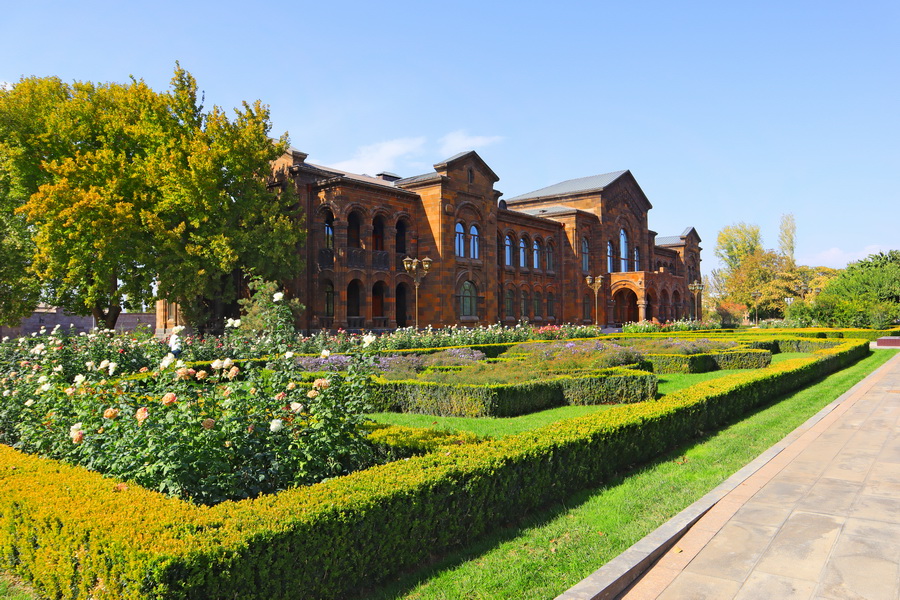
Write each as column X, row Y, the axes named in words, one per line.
column 815, row 516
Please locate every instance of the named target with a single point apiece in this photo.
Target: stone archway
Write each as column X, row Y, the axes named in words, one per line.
column 625, row 306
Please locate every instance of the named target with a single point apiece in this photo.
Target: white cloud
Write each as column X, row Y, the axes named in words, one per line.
column 382, row 156
column 458, row 141
column 838, row 258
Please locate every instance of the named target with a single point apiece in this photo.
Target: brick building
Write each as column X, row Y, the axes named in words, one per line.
column 493, row 260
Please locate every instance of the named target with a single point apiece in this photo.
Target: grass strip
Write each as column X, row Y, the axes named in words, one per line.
column 11, row 589
column 554, row 549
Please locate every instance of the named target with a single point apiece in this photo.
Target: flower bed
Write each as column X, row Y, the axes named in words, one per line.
column 327, row 540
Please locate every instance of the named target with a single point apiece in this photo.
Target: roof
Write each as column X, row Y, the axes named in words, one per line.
column 676, row 240
column 572, row 186
column 467, row 154
column 670, row 240
column 354, row 176
column 548, row 211
column 418, row 179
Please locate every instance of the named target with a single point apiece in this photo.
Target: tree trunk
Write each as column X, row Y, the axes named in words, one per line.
column 109, row 317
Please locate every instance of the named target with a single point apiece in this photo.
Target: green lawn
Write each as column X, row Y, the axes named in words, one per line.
column 554, row 549
column 10, row 590
column 498, row 428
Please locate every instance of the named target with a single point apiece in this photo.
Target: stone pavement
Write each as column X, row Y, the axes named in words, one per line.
column 815, row 517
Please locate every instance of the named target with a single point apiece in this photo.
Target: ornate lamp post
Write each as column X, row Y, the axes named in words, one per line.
column 696, row 288
column 412, row 267
column 803, row 291
column 595, row 283
column 756, row 296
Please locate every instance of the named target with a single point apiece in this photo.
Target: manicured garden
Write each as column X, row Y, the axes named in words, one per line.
column 315, row 491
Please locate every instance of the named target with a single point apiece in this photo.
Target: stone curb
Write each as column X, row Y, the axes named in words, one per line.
column 613, row 578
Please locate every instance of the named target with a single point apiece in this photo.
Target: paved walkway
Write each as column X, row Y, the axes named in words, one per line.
column 819, row 520
column 815, row 517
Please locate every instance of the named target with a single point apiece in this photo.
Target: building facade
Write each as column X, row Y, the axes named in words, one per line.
column 530, row 257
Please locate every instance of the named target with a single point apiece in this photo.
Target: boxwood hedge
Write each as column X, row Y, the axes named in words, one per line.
column 76, row 534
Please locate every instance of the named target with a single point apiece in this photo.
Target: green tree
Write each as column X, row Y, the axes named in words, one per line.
column 787, row 237
column 865, row 294
column 735, row 242
column 130, row 193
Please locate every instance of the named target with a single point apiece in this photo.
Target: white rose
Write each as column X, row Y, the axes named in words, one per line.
column 288, row 354
column 368, row 339
column 326, row 353
column 277, row 296
column 276, row 425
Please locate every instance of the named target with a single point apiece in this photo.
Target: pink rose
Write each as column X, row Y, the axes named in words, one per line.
column 142, row 415
column 169, row 399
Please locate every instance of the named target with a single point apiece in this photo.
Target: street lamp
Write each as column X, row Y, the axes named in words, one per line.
column 595, row 283
column 412, row 267
column 756, row 296
column 803, row 290
column 696, row 288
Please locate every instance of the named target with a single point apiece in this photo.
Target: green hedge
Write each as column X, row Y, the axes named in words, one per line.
column 606, row 386
column 701, row 363
column 72, row 534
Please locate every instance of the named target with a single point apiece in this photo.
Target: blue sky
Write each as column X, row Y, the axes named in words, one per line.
column 724, row 111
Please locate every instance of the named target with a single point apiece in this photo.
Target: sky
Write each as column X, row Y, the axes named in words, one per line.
column 725, row 112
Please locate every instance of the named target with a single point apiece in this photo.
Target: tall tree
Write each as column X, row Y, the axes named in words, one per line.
column 735, row 242
column 127, row 189
column 786, row 237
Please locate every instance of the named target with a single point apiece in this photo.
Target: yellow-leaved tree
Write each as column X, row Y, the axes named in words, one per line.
column 132, row 195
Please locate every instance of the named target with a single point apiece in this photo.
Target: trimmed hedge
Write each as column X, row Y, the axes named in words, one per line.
column 74, row 536
column 606, row 386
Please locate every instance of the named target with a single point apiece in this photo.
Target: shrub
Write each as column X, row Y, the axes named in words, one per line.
column 329, row 540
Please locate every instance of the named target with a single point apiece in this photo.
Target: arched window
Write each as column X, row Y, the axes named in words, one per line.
column 637, row 259
column 538, row 305
column 523, row 254
column 354, row 227
column 623, row 249
column 536, row 254
column 329, row 231
column 610, row 258
column 551, row 305
column 523, row 305
column 378, row 233
column 548, row 260
column 508, row 249
column 473, row 242
column 329, row 298
column 509, row 309
column 460, row 240
column 585, row 255
column 467, row 300
column 400, row 238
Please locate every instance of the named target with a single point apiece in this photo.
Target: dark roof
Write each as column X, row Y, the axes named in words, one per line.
column 572, row 186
